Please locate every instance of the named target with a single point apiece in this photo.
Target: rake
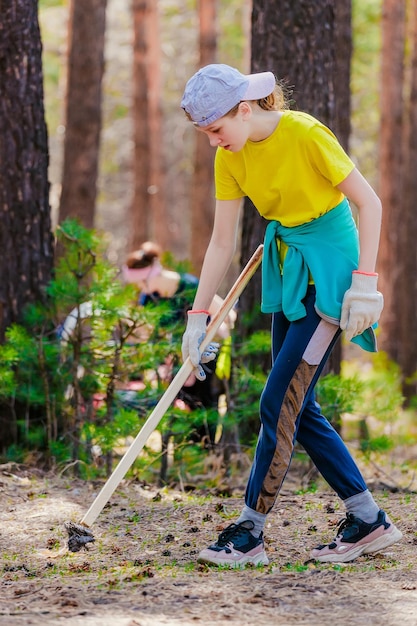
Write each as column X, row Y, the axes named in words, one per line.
column 80, row 534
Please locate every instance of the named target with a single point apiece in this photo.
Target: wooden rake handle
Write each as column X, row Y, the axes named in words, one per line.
column 170, row 394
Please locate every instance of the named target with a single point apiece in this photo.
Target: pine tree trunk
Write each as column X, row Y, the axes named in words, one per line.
column 26, row 244
column 340, row 122
column 156, row 185
column 83, row 110
column 202, row 204
column 406, row 307
column 390, row 266
column 148, row 215
column 308, row 45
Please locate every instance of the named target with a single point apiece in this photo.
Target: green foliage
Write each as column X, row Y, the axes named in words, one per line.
column 259, row 343
column 383, row 396
column 15, row 454
column 383, row 443
column 8, row 358
column 43, row 4
column 68, row 385
column 247, row 382
column 247, row 389
column 124, row 423
column 379, row 405
column 169, row 261
column 295, row 567
column 338, row 395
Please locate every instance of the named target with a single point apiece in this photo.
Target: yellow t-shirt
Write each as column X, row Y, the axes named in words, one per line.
column 291, row 175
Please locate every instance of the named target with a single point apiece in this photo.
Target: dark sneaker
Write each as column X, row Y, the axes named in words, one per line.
column 236, row 546
column 356, row 537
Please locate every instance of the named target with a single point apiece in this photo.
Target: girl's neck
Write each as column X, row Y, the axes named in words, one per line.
column 263, row 123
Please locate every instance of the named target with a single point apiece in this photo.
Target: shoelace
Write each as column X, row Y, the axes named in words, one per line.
column 231, row 531
column 349, row 520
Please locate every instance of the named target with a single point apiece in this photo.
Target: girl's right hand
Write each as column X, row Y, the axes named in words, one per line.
column 191, row 341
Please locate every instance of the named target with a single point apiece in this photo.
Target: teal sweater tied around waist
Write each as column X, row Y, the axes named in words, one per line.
column 328, row 249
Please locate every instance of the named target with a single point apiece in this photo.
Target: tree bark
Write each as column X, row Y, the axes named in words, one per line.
column 202, row 205
column 340, row 122
column 148, row 210
column 308, row 46
column 296, row 41
column 26, row 244
column 406, row 303
column 390, row 266
column 83, row 110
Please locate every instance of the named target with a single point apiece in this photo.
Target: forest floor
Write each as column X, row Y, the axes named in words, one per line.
column 142, row 568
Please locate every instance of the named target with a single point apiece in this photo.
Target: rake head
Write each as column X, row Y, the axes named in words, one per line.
column 79, row 536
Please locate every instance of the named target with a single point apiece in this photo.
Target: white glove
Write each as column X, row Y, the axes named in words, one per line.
column 192, row 338
column 362, row 304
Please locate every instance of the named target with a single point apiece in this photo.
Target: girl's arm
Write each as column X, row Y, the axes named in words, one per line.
column 356, row 188
column 219, row 252
column 362, row 303
column 217, row 260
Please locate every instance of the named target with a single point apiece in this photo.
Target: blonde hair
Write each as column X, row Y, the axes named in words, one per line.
column 276, row 101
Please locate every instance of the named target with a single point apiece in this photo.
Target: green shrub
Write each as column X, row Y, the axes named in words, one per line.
column 64, row 388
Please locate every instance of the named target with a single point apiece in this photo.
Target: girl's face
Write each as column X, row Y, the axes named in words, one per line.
column 229, row 132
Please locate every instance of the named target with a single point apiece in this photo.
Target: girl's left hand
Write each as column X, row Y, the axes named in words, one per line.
column 362, row 304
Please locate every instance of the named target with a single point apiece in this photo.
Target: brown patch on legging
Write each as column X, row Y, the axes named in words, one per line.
column 290, row 409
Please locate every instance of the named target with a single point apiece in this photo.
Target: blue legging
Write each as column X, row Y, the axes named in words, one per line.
column 288, row 412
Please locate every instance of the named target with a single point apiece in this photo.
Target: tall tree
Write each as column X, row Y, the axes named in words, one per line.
column 26, row 244
column 340, row 121
column 147, row 213
column 391, row 167
column 83, row 110
column 341, row 117
column 308, row 46
column 408, row 323
column 398, row 187
column 202, row 184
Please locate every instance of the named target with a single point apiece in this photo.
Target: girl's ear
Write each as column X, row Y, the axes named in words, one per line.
column 245, row 110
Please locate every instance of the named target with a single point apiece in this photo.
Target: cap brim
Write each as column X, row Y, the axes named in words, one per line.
column 260, row 85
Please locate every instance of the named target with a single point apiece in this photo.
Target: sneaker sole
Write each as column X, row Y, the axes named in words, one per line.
column 380, row 543
column 384, row 541
column 258, row 559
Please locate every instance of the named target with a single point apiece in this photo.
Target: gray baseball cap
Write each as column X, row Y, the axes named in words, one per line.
column 215, row 89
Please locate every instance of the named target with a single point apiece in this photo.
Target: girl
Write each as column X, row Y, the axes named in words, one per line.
column 314, row 282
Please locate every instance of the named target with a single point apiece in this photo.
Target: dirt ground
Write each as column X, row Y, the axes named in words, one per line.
column 142, row 568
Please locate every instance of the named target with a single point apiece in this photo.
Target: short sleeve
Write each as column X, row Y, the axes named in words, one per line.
column 227, row 188
column 327, row 155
